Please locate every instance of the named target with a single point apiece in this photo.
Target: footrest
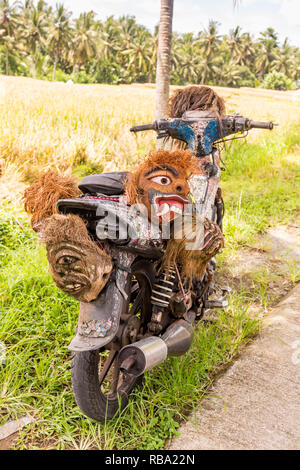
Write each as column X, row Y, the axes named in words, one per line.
column 222, row 302
column 216, row 303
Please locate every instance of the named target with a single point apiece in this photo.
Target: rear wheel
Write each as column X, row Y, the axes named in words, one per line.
column 101, row 390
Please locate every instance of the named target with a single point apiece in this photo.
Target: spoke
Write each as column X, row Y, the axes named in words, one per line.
column 136, row 304
column 134, row 287
column 107, row 365
column 115, row 380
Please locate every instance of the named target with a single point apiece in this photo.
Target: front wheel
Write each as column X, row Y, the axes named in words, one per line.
column 101, row 390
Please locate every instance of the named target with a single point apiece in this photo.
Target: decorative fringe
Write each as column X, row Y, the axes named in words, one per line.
column 41, row 197
column 193, row 97
column 193, row 247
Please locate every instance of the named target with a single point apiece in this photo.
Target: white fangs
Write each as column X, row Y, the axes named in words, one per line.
column 176, row 209
column 166, row 208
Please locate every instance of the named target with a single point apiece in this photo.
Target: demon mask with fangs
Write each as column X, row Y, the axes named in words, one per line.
column 161, row 183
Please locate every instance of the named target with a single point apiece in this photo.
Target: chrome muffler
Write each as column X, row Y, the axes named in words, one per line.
column 137, row 358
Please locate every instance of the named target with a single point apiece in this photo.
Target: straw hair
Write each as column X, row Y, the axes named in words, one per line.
column 60, row 228
column 192, row 98
column 41, row 197
column 205, row 243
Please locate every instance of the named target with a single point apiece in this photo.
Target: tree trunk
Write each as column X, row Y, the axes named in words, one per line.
column 150, row 79
column 76, row 72
column 32, row 66
column 6, row 61
column 164, row 58
column 54, row 69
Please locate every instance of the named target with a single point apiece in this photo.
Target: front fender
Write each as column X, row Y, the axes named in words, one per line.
column 99, row 320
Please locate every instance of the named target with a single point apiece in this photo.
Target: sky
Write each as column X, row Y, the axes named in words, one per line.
column 253, row 16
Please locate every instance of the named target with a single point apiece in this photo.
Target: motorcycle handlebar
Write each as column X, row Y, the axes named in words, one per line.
column 245, row 124
column 262, row 125
column 145, row 127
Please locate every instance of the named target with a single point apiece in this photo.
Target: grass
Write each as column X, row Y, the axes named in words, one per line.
column 85, row 128
column 261, row 184
column 37, row 323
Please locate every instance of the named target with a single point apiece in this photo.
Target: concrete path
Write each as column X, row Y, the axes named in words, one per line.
column 256, row 403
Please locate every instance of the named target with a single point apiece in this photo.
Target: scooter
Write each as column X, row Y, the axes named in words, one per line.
column 144, row 314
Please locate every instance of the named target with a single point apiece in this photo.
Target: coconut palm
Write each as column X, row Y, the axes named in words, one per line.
column 84, row 45
column 283, row 61
column 120, row 50
column 107, row 36
column 9, row 22
column 228, row 74
column 128, row 29
column 34, row 32
column 59, row 34
column 189, row 68
column 265, row 56
column 235, row 44
column 247, row 50
column 211, row 39
column 140, row 54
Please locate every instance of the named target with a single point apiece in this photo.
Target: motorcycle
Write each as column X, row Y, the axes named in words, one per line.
column 143, row 315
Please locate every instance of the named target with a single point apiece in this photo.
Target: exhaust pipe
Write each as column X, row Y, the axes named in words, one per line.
column 147, row 353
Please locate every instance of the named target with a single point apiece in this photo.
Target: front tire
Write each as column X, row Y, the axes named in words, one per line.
column 101, row 390
column 87, row 388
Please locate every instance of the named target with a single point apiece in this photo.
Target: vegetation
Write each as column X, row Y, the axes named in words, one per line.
column 85, row 129
column 277, row 81
column 39, row 41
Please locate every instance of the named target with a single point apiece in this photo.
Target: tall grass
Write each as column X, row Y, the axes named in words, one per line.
column 85, row 128
column 261, row 183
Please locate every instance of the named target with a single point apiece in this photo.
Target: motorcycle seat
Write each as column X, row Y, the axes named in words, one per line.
column 106, row 183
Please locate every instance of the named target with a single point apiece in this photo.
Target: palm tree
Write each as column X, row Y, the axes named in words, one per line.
column 128, row 30
column 34, row 31
column 188, row 59
column 108, row 35
column 210, row 42
column 227, row 74
column 59, row 34
column 235, row 43
column 211, row 39
column 84, row 46
column 247, row 50
column 266, row 53
column 140, row 54
column 283, row 61
column 9, row 22
column 164, row 58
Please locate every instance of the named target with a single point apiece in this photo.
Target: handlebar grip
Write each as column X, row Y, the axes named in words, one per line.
column 144, row 127
column 262, row 125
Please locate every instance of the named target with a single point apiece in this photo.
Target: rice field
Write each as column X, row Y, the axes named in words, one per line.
column 85, row 128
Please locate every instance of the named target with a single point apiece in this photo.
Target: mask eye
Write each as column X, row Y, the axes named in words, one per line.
column 163, row 180
column 66, row 260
